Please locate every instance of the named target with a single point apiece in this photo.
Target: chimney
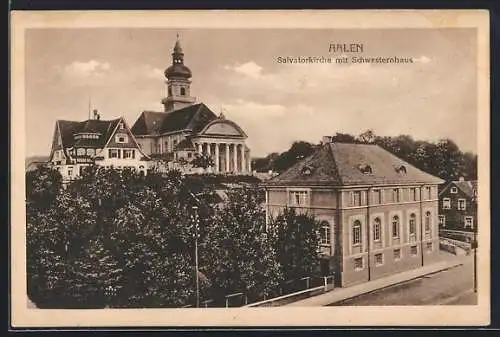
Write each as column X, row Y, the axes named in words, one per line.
column 95, row 114
column 326, row 139
column 461, row 179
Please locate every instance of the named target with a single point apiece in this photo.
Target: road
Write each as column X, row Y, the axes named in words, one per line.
column 451, row 287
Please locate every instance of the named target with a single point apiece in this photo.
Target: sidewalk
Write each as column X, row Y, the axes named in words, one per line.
column 340, row 294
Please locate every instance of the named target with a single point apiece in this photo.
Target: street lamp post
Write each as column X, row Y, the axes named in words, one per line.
column 195, row 209
column 474, row 246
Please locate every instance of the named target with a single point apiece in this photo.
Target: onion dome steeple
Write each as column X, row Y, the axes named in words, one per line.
column 178, row 83
column 178, row 69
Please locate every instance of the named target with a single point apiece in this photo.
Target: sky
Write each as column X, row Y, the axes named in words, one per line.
column 120, row 72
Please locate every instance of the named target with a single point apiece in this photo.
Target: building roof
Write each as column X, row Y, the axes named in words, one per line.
column 345, row 164
column 467, row 187
column 194, row 117
column 185, row 144
column 101, row 127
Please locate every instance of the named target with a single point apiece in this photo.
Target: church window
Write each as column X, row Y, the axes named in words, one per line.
column 183, row 92
column 170, row 91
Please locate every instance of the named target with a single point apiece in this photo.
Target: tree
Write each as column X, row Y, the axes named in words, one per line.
column 297, row 243
column 367, row 137
column 202, row 160
column 298, row 151
column 55, row 239
column 42, row 186
column 343, row 138
column 237, row 255
column 112, row 239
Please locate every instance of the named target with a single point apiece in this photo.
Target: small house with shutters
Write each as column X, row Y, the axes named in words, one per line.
column 458, row 205
column 378, row 213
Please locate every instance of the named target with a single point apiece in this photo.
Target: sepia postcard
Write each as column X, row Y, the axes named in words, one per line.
column 250, row 168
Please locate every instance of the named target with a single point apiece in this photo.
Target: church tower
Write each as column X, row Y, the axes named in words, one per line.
column 178, row 82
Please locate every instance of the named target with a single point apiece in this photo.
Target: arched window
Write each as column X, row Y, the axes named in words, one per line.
column 395, row 226
column 170, row 91
column 324, row 233
column 183, row 92
column 427, row 222
column 413, row 224
column 377, row 229
column 356, row 233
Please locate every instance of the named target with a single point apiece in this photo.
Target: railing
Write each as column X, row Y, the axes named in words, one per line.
column 289, row 291
column 239, row 299
column 457, row 235
column 451, row 245
column 326, row 283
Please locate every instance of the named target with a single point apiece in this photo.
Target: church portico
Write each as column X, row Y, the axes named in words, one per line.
column 228, row 157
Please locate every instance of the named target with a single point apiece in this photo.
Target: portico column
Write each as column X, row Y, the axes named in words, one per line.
column 235, row 158
column 200, row 148
column 216, row 157
column 243, row 166
column 249, row 162
column 227, row 157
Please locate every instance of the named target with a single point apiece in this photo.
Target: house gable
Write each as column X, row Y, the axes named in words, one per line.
column 223, row 128
column 121, row 130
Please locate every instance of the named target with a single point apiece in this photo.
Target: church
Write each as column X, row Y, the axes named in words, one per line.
column 187, row 129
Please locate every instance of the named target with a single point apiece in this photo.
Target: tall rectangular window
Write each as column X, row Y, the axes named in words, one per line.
column 356, row 233
column 428, row 194
column 376, row 197
column 325, row 233
column 461, row 204
column 355, row 198
column 395, row 195
column 413, row 224
column 442, row 221
column 395, row 227
column 299, row 198
column 446, row 203
column 377, row 229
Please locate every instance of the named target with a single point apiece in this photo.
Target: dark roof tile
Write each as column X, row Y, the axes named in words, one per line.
column 346, row 164
column 194, row 117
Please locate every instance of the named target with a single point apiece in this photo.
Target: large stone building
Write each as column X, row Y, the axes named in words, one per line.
column 186, row 129
column 108, row 143
column 379, row 214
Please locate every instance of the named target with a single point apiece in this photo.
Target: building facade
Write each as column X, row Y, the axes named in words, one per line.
column 458, row 206
column 108, row 143
column 186, row 129
column 378, row 214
